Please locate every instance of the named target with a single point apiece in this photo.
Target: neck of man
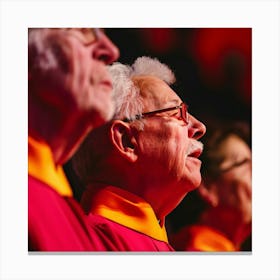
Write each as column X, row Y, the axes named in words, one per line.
column 63, row 133
column 125, row 175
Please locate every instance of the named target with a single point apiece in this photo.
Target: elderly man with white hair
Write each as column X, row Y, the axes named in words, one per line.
column 139, row 166
column 69, row 94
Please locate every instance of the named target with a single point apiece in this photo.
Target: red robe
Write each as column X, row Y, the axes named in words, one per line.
column 201, row 238
column 56, row 221
column 122, row 221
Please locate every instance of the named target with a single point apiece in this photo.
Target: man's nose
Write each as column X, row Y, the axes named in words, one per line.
column 196, row 128
column 104, row 49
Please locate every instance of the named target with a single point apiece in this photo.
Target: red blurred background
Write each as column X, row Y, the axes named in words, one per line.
column 213, row 66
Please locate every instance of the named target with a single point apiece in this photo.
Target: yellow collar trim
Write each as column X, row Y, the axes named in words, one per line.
column 42, row 167
column 128, row 210
column 209, row 239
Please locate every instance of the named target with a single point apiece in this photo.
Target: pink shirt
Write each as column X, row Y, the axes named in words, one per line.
column 56, row 222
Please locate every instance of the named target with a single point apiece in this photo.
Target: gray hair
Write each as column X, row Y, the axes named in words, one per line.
column 41, row 55
column 126, row 94
column 92, row 154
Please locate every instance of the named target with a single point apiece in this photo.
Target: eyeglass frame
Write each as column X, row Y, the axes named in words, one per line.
column 97, row 33
column 183, row 108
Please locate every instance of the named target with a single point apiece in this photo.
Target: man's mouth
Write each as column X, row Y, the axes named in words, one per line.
column 107, row 83
column 195, row 149
column 196, row 153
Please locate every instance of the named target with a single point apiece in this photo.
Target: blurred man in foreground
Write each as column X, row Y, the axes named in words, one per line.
column 139, row 166
column 69, row 94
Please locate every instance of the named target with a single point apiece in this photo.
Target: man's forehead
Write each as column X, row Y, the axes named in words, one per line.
column 88, row 35
column 155, row 92
column 149, row 79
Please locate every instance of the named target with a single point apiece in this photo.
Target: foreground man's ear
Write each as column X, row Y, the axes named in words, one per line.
column 123, row 140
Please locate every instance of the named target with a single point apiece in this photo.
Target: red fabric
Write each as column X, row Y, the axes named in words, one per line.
column 111, row 236
column 55, row 223
column 201, row 238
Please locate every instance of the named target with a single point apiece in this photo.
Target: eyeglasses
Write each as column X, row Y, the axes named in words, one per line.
column 236, row 164
column 184, row 115
column 88, row 35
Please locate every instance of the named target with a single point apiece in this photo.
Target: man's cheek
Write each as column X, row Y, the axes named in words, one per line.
column 63, row 53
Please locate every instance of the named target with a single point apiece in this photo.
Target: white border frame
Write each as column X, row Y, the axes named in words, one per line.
column 17, row 16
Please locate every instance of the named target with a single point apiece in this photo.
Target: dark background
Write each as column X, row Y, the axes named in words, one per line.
column 212, row 65
column 213, row 68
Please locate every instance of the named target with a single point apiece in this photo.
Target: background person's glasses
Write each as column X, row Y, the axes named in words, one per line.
column 184, row 115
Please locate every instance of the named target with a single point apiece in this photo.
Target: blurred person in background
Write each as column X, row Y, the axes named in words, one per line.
column 224, row 221
column 69, row 94
column 138, row 167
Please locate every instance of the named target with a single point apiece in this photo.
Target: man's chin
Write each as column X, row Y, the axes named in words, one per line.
column 192, row 185
column 195, row 183
column 193, row 176
column 101, row 119
column 109, row 113
column 106, row 114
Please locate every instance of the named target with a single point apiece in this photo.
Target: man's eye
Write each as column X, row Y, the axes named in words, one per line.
column 175, row 114
column 85, row 35
column 237, row 164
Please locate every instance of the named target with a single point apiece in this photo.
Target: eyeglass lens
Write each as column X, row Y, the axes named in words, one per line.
column 89, row 35
column 184, row 113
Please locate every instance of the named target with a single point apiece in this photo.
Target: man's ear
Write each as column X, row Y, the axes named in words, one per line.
column 208, row 194
column 123, row 139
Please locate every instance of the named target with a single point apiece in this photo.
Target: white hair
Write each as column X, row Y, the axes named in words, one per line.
column 126, row 94
column 41, row 55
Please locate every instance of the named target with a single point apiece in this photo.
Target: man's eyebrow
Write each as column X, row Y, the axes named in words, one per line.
column 174, row 102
